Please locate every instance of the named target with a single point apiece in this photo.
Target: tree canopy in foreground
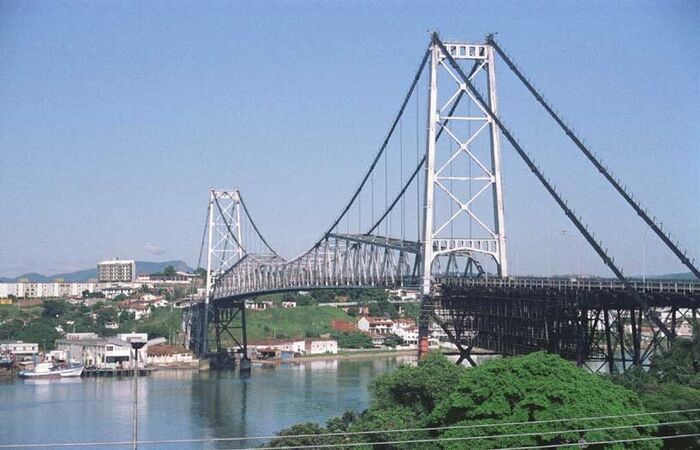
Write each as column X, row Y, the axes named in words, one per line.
column 476, row 408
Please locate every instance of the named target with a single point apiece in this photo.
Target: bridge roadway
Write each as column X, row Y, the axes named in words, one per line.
column 594, row 321
column 261, row 286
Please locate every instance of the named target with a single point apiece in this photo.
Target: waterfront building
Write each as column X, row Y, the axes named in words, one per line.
column 274, row 348
column 169, row 355
column 320, row 346
column 19, row 349
column 116, row 270
column 98, row 352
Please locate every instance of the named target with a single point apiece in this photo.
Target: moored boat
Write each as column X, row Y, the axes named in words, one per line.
column 6, row 362
column 48, row 370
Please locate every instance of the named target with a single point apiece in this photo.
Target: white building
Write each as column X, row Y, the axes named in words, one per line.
column 321, row 346
column 113, row 291
column 116, row 270
column 315, row 346
column 103, row 352
column 19, row 348
column 26, row 289
column 376, row 325
column 399, row 325
column 278, row 345
column 164, row 355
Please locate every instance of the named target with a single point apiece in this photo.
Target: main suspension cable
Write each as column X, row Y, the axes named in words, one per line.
column 255, row 227
column 383, row 146
column 596, row 161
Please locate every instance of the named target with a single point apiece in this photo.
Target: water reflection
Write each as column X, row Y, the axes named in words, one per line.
column 188, row 404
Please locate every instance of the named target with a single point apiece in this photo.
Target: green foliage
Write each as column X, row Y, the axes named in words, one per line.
column 411, row 310
column 382, row 307
column 54, row 308
column 126, row 316
column 419, row 388
column 670, row 384
column 41, row 332
column 10, row 329
column 299, row 322
column 120, row 297
column 436, row 393
column 393, row 340
column 352, row 339
column 537, row 387
column 309, row 428
column 163, row 322
column 673, row 397
column 88, row 294
column 169, row 271
column 680, row 364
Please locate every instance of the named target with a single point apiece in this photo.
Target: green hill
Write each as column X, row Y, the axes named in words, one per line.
column 299, row 322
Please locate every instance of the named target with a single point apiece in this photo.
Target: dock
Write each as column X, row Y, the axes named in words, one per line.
column 96, row 372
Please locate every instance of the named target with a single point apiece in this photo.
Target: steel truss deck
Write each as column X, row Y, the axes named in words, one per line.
column 596, row 324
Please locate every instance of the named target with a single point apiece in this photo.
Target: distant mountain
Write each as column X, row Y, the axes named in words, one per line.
column 142, row 267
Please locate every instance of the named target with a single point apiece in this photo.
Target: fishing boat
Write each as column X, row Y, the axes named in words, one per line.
column 6, row 362
column 48, row 370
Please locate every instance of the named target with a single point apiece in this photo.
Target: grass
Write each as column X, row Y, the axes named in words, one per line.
column 299, row 322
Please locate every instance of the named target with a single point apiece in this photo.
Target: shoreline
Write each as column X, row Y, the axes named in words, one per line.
column 351, row 355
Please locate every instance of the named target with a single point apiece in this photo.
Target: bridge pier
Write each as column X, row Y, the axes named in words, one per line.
column 227, row 318
column 427, row 309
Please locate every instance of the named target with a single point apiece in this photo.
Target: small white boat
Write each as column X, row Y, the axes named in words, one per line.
column 48, row 369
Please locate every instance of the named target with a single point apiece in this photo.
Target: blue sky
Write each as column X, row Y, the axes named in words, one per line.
column 116, row 118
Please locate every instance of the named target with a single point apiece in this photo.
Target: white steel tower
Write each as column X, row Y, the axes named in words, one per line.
column 460, row 220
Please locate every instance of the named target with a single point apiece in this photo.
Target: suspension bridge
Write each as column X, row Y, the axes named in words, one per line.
column 429, row 214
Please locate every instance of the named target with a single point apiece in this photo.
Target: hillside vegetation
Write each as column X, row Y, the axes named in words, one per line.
column 299, row 322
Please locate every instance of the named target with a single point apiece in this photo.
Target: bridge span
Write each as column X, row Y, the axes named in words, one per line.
column 436, row 224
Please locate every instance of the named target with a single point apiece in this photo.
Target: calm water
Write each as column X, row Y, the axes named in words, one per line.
column 186, row 404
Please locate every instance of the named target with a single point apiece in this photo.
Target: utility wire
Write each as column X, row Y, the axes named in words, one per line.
column 617, row 441
column 473, row 438
column 353, row 433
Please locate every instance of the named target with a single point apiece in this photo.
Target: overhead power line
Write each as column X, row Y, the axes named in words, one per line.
column 402, row 430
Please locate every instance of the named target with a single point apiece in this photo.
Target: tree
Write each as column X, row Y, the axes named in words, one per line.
column 125, row 316
column 41, row 332
column 10, row 329
column 169, row 271
column 353, row 339
column 680, row 364
column 308, row 430
column 670, row 384
column 54, row 308
column 393, row 340
column 120, row 297
column 538, row 387
column 201, row 273
column 106, row 314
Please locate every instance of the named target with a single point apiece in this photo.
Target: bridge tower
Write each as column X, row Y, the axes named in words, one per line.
column 224, row 249
column 461, row 223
